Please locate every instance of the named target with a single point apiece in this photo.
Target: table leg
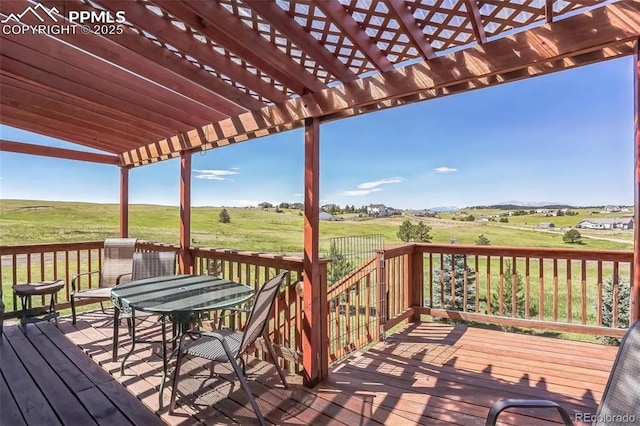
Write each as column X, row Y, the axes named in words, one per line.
column 133, row 341
column 165, row 363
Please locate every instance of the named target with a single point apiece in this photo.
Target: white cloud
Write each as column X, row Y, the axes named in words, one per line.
column 376, row 183
column 298, row 195
column 445, row 170
column 215, row 174
column 361, row 192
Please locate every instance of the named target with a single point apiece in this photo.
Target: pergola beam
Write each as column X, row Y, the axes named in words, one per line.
column 548, row 11
column 48, row 151
column 349, row 26
column 279, row 19
column 519, row 55
column 164, row 30
column 476, row 20
column 229, row 31
column 406, row 20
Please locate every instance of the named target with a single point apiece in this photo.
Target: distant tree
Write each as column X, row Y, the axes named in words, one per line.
column 504, row 219
column 284, row 205
column 409, row 232
column 559, row 213
column 224, row 216
column 405, row 233
column 483, row 241
column 265, row 205
column 422, row 233
column 572, row 236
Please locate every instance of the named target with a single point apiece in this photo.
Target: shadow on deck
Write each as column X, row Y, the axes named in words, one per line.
column 428, row 373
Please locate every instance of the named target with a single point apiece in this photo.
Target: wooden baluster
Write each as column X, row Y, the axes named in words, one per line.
column 541, row 287
column 489, row 285
column 599, row 301
column 476, row 306
column 527, row 287
column 616, row 294
column 555, row 289
column 464, row 285
column 514, row 288
column 583, row 284
column 501, row 288
column 569, row 293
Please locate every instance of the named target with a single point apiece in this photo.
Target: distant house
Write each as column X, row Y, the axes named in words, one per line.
column 606, row 223
column 380, row 210
column 330, row 208
column 325, row 216
column 546, row 225
column 423, row 213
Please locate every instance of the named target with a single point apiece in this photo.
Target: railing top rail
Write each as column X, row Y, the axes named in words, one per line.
column 533, row 252
column 48, row 247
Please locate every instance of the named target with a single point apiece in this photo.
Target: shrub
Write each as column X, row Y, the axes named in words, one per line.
column 504, row 219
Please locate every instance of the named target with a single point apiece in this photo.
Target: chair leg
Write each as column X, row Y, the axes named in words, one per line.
column 116, row 332
column 174, row 382
column 102, row 307
column 73, row 309
column 246, row 388
column 273, row 357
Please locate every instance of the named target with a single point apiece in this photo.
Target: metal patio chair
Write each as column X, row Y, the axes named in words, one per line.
column 145, row 265
column 621, row 396
column 229, row 345
column 117, row 260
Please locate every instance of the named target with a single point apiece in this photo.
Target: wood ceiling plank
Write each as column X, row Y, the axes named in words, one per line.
column 186, row 94
column 408, row 23
column 74, row 63
column 281, row 20
column 56, row 73
column 349, row 26
column 117, row 139
column 476, row 20
column 47, row 151
column 163, row 29
column 228, row 31
column 616, row 24
column 44, row 125
column 143, row 57
column 29, row 101
column 124, row 121
column 63, row 89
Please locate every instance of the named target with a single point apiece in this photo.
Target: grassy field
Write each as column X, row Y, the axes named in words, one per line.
column 24, row 222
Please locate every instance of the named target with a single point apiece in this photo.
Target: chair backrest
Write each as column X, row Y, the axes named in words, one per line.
column 153, row 264
column 262, row 306
column 118, row 259
column 622, row 394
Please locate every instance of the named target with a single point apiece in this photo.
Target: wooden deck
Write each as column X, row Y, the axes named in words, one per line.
column 428, row 373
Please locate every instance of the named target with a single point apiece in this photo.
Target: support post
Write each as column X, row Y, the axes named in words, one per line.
column 124, row 202
column 416, row 283
column 312, row 321
column 185, row 260
column 635, row 289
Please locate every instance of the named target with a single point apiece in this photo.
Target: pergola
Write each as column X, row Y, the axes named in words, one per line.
column 179, row 77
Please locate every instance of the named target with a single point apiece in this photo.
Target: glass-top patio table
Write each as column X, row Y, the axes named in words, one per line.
column 178, row 298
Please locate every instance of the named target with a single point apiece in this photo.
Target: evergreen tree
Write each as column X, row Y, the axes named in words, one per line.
column 405, row 233
column 483, row 241
column 339, row 266
column 421, row 233
column 449, row 264
column 224, row 217
column 624, row 298
column 507, row 295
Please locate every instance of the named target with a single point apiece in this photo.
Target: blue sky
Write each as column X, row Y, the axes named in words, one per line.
column 565, row 137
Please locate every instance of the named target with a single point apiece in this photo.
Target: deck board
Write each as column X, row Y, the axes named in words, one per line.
column 427, row 373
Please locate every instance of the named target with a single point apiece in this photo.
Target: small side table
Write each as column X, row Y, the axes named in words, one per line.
column 25, row 291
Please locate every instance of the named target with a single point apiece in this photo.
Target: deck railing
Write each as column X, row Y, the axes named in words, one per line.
column 553, row 289
column 29, row 263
